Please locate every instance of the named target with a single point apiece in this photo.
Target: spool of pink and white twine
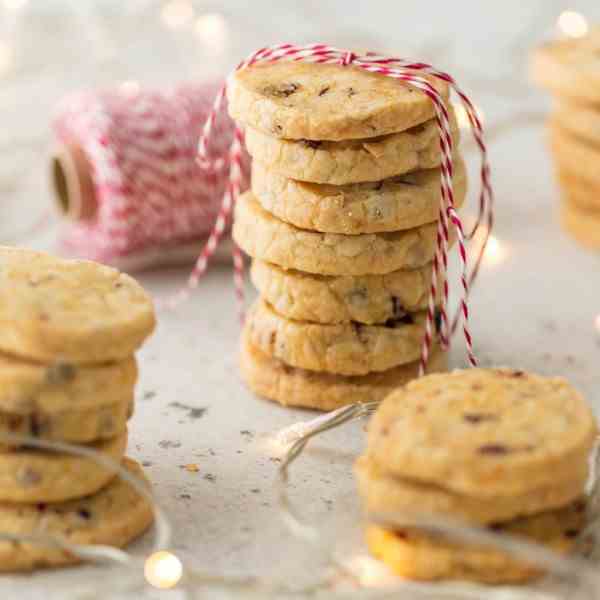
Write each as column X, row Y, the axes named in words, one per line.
column 403, row 70
column 126, row 176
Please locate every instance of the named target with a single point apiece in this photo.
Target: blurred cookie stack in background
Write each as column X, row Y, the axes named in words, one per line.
column 69, row 330
column 341, row 224
column 570, row 70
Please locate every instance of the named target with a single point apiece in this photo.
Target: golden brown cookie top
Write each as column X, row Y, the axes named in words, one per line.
column 78, row 311
column 326, row 102
column 483, row 431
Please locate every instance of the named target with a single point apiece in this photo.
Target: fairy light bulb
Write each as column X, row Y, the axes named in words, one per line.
column 130, row 88
column 369, row 572
column 495, row 252
column 177, row 13
column 211, row 29
column 14, row 5
column 597, row 324
column 572, row 24
column 462, row 117
column 163, row 570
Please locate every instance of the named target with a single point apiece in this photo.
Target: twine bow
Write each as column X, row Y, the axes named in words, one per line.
column 410, row 73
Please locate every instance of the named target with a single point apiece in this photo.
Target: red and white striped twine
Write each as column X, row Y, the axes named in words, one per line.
column 408, row 72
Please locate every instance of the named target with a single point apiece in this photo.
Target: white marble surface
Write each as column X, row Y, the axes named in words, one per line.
column 534, row 307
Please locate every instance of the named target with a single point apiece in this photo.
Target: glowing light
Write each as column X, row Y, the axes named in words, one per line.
column 6, row 58
column 14, row 5
column 370, row 572
column 163, row 570
column 572, row 24
column 130, row 88
column 177, row 13
column 211, row 30
column 496, row 252
column 463, row 118
column 274, row 445
column 597, row 323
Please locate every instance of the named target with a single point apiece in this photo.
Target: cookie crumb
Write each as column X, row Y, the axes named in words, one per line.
column 191, row 468
column 169, row 444
column 192, row 412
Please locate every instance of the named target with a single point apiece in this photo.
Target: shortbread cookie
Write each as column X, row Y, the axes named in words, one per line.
column 580, row 120
column 70, row 310
column 384, row 494
column 397, row 203
column 326, row 102
column 579, row 193
column 325, row 299
column 582, row 224
column 263, row 236
column 484, row 432
column 44, row 476
column 569, row 67
column 113, row 516
column 416, row 554
column 351, row 161
column 345, row 348
column 65, row 402
column 273, row 379
column 575, row 156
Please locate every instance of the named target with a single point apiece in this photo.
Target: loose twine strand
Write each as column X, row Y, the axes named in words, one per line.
column 581, row 575
column 405, row 71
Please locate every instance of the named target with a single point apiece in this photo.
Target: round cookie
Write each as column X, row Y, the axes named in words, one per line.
column 273, row 379
column 113, row 516
column 384, row 494
column 263, row 236
column 327, row 299
column 397, row 203
column 416, row 554
column 579, row 120
column 70, row 310
column 575, row 156
column 344, row 349
column 351, row 161
column 484, row 432
column 582, row 195
column 65, row 402
column 44, row 476
column 583, row 225
column 569, row 67
column 296, row 100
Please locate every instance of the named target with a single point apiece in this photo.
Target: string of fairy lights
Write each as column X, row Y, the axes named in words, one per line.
column 162, row 569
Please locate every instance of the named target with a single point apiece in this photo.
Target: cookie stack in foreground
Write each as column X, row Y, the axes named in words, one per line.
column 68, row 333
column 570, row 70
column 341, row 224
column 490, row 447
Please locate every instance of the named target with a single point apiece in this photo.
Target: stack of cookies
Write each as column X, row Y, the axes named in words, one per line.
column 68, row 333
column 341, row 223
column 570, row 70
column 493, row 448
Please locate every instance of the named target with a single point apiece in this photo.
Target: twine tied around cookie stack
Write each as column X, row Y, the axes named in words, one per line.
column 569, row 70
column 67, row 381
column 306, row 244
